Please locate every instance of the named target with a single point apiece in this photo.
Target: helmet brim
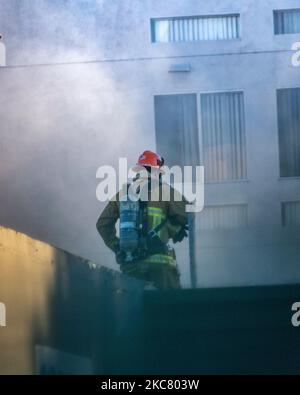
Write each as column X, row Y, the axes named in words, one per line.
column 137, row 168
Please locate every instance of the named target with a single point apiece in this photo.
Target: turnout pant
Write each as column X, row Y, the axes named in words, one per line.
column 163, row 276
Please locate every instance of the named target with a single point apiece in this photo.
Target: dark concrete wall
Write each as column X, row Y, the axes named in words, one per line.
column 67, row 120
column 68, row 315
column 60, row 307
column 237, row 330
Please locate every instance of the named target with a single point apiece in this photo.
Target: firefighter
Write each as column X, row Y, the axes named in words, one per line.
column 162, row 221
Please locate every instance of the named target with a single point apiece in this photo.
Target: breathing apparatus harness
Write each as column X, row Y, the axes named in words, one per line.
column 136, row 241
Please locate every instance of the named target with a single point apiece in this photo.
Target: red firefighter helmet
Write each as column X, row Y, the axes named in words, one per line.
column 150, row 159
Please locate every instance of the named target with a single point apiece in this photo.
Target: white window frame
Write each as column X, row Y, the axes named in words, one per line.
column 165, row 18
column 282, row 10
column 198, row 94
column 227, row 204
column 280, row 178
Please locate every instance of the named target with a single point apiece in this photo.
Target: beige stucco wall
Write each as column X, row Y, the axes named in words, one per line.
column 26, row 278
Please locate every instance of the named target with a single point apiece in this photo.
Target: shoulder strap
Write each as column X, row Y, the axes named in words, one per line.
column 153, row 232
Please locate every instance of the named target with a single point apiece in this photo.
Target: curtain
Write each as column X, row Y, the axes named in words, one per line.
column 288, row 110
column 176, row 128
column 223, row 132
column 196, row 29
column 287, row 21
column 224, row 217
column 291, row 214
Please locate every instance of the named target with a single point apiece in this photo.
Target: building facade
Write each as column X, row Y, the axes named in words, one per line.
column 213, row 83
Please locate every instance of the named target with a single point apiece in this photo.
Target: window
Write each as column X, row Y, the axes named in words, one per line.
column 176, row 127
column 288, row 110
column 290, row 214
column 224, row 217
column 287, row 21
column 195, row 28
column 223, row 135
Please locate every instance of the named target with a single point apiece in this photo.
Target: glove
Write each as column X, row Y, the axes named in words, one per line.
column 155, row 245
column 181, row 234
column 120, row 257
